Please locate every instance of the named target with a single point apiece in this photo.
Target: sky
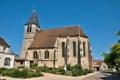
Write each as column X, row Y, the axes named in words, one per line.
column 99, row 19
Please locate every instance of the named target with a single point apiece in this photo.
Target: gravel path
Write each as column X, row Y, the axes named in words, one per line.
column 48, row 76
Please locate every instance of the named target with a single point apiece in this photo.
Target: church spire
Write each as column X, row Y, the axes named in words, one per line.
column 33, row 19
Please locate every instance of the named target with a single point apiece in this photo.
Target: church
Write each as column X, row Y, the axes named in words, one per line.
column 54, row 47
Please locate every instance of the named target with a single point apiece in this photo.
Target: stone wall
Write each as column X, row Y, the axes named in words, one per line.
column 28, row 39
column 59, row 60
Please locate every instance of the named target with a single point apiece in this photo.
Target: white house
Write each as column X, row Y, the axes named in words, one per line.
column 6, row 56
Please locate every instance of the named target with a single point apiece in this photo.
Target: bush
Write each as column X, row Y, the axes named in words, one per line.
column 25, row 73
column 68, row 73
column 21, row 67
column 5, row 71
column 69, row 67
column 75, row 72
column 84, row 72
column 34, row 65
column 2, row 69
column 20, row 73
column 2, row 79
column 77, row 66
column 61, row 70
column 90, row 71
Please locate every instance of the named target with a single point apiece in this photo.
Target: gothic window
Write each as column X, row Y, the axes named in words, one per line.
column 7, row 61
column 46, row 54
column 63, row 49
column 35, row 55
column 74, row 49
column 84, row 49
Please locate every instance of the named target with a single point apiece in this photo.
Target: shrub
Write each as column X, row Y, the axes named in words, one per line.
column 69, row 67
column 2, row 79
column 75, row 72
column 77, row 66
column 2, row 69
column 21, row 67
column 68, row 73
column 34, row 65
column 90, row 71
column 5, row 71
column 61, row 70
column 20, row 73
column 84, row 72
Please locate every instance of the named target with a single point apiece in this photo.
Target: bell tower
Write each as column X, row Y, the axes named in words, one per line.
column 30, row 30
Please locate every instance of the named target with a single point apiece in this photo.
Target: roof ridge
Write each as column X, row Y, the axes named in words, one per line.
column 61, row 27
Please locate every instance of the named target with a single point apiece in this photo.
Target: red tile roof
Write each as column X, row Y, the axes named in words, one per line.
column 47, row 38
column 97, row 62
column 3, row 42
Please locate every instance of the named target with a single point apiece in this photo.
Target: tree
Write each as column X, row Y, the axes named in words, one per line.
column 112, row 59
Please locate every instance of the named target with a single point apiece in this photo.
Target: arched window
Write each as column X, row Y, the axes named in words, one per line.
column 63, row 49
column 7, row 61
column 29, row 28
column 35, row 55
column 74, row 49
column 84, row 49
column 46, row 54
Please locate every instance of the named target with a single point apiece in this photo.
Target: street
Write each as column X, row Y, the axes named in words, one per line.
column 104, row 76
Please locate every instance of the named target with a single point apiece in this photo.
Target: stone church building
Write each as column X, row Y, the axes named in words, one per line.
column 53, row 47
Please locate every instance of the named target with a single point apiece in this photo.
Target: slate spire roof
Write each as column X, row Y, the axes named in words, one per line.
column 3, row 42
column 33, row 19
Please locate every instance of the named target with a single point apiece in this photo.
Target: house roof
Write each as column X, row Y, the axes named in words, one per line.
column 47, row 38
column 97, row 63
column 33, row 19
column 3, row 42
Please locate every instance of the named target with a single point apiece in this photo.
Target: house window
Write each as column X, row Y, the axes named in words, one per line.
column 29, row 28
column 7, row 61
column 74, row 49
column 63, row 49
column 84, row 49
column 46, row 54
column 35, row 55
column 4, row 48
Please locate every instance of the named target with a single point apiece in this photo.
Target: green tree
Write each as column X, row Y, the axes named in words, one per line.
column 112, row 59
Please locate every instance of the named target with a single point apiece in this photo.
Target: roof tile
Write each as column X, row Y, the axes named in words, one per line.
column 47, row 38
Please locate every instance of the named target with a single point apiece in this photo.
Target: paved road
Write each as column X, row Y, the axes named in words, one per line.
column 92, row 76
column 104, row 76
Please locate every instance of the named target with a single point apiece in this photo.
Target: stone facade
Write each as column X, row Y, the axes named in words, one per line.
column 28, row 38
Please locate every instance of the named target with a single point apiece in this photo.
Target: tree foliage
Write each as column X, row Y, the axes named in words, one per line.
column 112, row 59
